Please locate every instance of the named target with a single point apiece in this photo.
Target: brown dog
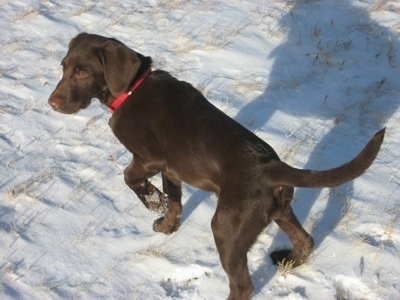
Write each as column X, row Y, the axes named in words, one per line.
column 170, row 127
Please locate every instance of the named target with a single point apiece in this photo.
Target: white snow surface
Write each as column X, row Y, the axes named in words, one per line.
column 315, row 79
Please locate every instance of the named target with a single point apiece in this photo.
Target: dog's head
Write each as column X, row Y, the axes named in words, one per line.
column 95, row 67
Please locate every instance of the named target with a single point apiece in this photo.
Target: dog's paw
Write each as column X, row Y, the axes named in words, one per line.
column 280, row 256
column 156, row 202
column 166, row 226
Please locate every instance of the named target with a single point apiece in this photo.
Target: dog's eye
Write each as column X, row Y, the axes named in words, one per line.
column 81, row 73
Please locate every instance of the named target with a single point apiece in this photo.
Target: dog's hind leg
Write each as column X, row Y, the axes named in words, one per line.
column 171, row 221
column 302, row 242
column 235, row 230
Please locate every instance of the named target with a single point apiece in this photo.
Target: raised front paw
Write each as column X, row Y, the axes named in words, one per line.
column 156, row 202
column 166, row 225
column 152, row 198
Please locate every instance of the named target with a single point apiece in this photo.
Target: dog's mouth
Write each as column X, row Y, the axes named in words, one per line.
column 66, row 112
column 69, row 108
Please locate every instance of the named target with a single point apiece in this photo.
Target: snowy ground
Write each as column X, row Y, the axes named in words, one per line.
column 315, row 79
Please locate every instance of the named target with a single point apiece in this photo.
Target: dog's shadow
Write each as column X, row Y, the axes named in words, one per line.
column 197, row 197
column 335, row 71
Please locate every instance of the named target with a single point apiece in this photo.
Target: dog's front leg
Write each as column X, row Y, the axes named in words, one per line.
column 135, row 176
column 171, row 221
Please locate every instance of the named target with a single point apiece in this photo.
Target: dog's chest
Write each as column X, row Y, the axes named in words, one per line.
column 134, row 136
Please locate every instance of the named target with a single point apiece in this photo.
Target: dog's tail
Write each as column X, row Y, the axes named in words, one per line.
column 283, row 174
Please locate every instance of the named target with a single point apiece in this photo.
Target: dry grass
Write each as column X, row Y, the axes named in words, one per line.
column 154, row 251
column 285, row 268
column 217, row 39
column 385, row 5
column 25, row 14
column 28, row 186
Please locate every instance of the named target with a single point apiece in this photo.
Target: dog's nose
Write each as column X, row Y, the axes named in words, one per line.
column 54, row 103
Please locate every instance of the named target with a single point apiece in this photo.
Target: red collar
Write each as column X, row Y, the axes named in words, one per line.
column 121, row 98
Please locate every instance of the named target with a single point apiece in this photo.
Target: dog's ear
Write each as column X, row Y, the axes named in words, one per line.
column 120, row 64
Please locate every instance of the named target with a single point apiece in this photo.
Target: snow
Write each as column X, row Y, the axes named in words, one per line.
column 315, row 79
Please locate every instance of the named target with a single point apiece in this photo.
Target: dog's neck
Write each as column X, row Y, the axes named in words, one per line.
column 145, row 64
column 144, row 70
column 117, row 102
